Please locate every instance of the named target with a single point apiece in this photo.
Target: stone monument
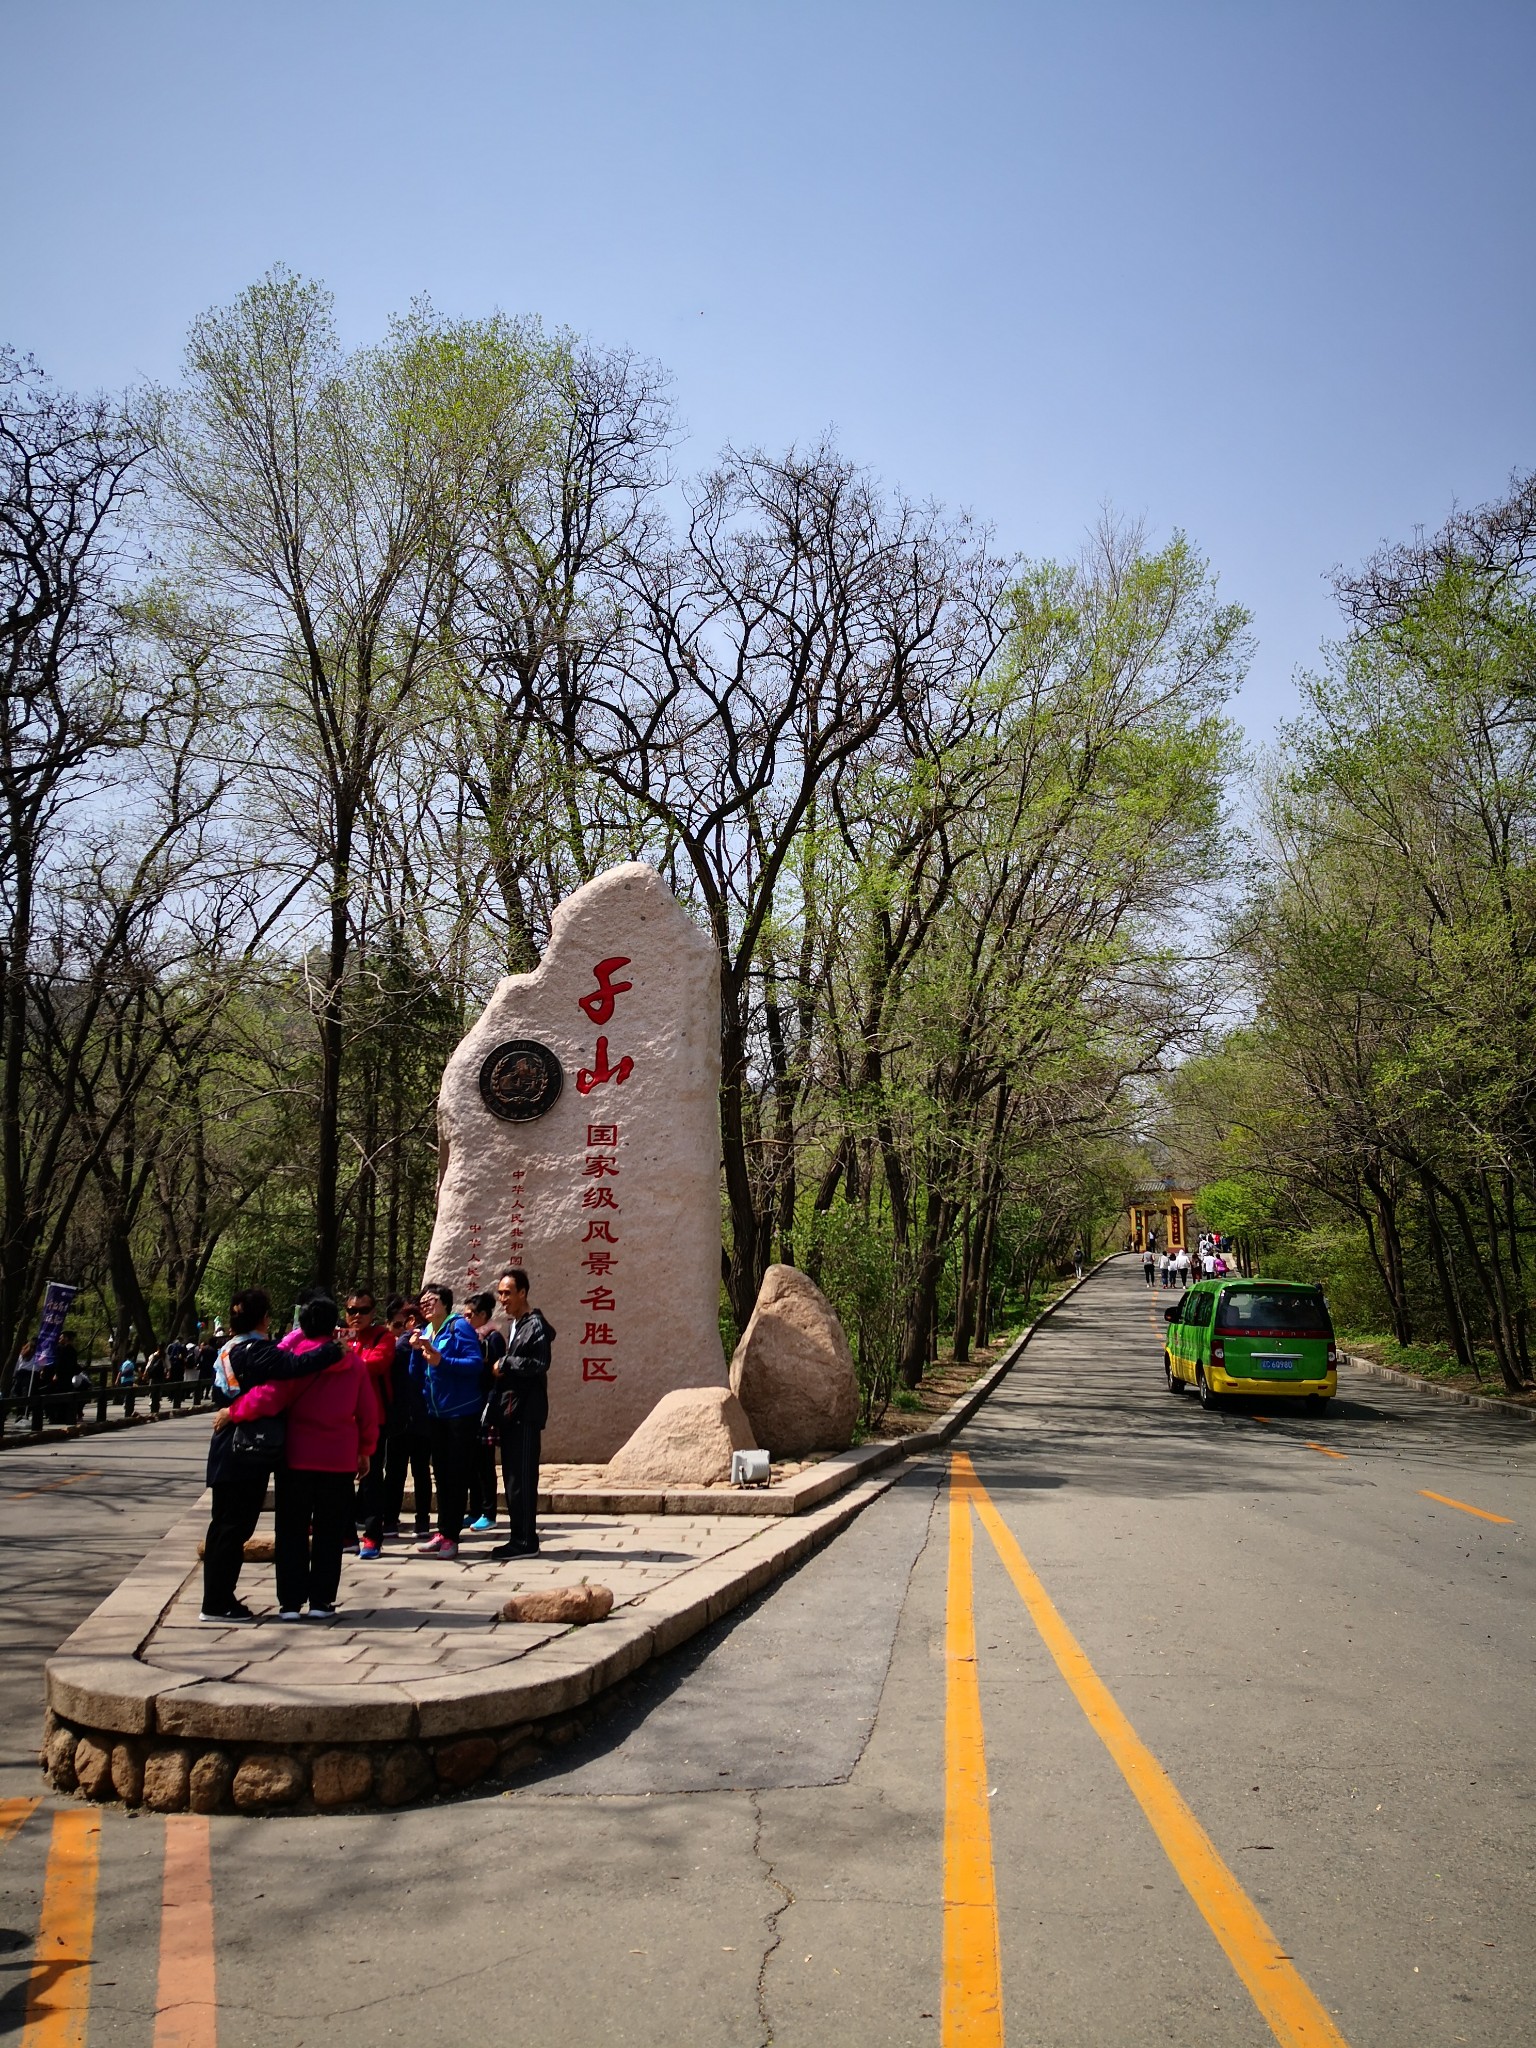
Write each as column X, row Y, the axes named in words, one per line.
column 580, row 1131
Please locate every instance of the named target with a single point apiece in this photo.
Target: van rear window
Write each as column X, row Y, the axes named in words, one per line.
column 1271, row 1311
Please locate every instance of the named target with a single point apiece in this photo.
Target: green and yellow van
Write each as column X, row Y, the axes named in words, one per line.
column 1269, row 1337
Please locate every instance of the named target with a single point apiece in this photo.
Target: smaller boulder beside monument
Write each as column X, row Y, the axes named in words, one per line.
column 686, row 1440
column 793, row 1372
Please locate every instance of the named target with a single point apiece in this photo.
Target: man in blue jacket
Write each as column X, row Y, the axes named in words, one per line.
column 449, row 1361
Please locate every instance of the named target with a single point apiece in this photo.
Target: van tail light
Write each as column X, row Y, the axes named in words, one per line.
column 1218, row 1353
column 1333, row 1357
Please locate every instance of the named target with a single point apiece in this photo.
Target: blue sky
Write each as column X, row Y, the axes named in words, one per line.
column 1261, row 271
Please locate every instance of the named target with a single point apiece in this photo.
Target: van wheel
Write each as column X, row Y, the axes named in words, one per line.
column 1208, row 1400
column 1175, row 1384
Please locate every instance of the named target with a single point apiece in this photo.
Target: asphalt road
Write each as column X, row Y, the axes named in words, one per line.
column 1333, row 1669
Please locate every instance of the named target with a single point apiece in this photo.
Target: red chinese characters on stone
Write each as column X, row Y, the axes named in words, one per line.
column 600, row 1338
column 599, row 1004
column 599, row 1073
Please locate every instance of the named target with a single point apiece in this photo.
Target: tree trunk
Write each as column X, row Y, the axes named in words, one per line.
column 1450, row 1293
column 965, row 1304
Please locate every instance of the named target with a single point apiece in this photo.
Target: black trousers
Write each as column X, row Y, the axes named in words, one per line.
column 454, row 1440
column 482, row 1481
column 237, row 1503
column 381, row 1491
column 520, row 1473
column 315, row 1522
column 414, row 1453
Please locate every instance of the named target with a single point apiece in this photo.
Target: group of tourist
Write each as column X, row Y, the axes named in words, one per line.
column 1168, row 1268
column 336, row 1418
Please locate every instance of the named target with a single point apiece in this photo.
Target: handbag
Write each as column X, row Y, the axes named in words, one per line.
column 260, row 1441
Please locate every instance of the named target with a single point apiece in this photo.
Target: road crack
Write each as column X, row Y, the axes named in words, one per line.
column 770, row 1921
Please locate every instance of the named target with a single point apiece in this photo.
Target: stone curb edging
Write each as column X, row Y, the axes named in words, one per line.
column 78, row 1432
column 117, row 1728
column 1422, row 1386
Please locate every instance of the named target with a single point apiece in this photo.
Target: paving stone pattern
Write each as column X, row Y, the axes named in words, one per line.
column 406, row 1617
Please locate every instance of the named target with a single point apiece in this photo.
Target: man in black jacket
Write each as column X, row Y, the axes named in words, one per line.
column 522, row 1401
column 249, row 1359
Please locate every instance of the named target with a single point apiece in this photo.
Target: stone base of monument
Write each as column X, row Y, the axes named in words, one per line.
column 422, row 1686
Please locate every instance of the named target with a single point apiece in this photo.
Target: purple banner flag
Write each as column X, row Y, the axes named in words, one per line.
column 56, row 1306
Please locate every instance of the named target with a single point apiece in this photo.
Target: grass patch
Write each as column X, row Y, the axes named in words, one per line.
column 1435, row 1362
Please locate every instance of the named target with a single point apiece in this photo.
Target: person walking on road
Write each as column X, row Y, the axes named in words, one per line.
column 1149, row 1266
column 333, row 1426
column 522, row 1403
column 449, row 1361
column 239, row 1484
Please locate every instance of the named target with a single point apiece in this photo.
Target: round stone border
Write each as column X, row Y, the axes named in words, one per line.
column 163, row 1776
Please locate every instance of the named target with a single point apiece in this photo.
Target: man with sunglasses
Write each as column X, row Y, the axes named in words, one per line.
column 372, row 1344
column 521, row 1400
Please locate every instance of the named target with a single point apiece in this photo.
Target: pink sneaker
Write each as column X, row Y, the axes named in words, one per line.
column 437, row 1546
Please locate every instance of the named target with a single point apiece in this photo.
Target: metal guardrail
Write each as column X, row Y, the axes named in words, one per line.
column 65, row 1408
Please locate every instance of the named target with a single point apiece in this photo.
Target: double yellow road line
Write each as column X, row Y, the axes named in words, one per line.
column 59, row 1988
column 972, row 2010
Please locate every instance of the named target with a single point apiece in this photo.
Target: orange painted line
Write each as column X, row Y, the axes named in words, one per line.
column 1482, row 1514
column 59, row 1990
column 971, row 2012
column 1294, row 2015
column 51, row 1486
column 1326, row 1452
column 13, row 1813
column 186, row 2002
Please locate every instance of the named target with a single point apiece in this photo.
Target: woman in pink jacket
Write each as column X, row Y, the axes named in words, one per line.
column 333, row 1426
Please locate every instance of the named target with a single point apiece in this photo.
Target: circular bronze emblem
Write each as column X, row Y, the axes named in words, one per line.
column 520, row 1080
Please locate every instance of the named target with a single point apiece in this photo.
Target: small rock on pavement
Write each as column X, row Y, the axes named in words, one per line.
column 93, row 1768
column 341, row 1777
column 212, row 1775
column 167, row 1780
column 686, row 1440
column 258, row 1550
column 263, row 1781
column 59, row 1758
column 560, row 1603
column 128, row 1772
column 461, row 1763
column 404, row 1775
column 793, row 1371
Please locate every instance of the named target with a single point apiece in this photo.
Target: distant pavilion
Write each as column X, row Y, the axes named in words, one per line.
column 1160, row 1217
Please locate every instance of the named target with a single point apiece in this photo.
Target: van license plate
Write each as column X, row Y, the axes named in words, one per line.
column 1270, row 1363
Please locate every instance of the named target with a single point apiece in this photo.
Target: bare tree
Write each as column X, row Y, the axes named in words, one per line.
column 801, row 616
column 69, row 705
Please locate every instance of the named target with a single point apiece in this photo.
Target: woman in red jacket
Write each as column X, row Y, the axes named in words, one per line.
column 333, row 1426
